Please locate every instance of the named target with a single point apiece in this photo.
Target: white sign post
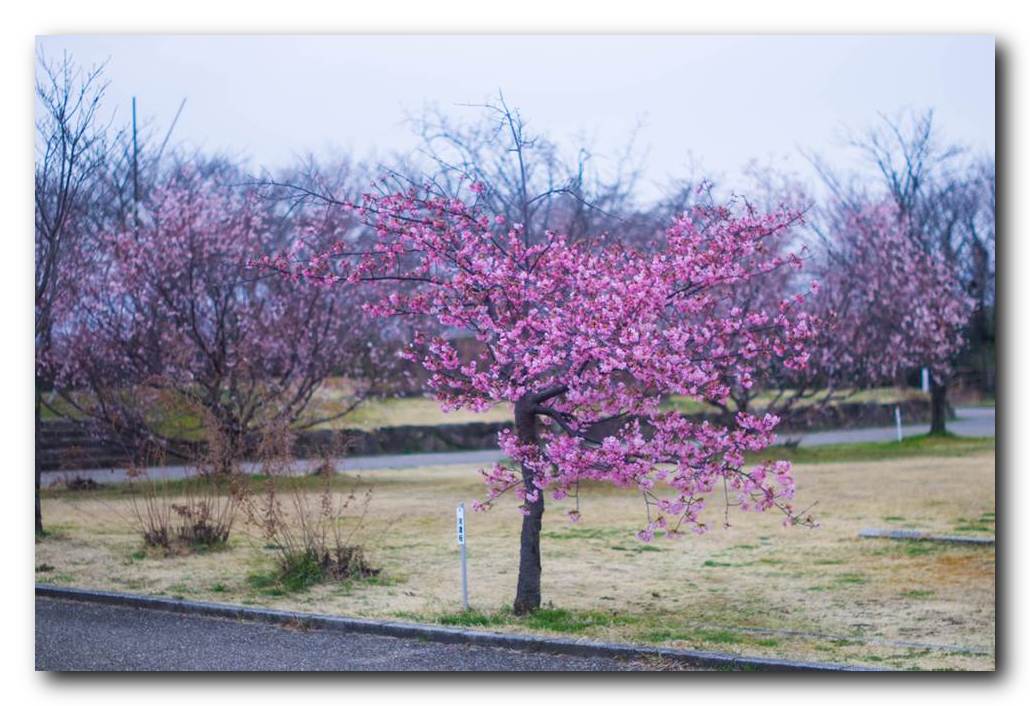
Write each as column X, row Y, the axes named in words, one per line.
column 897, row 421
column 926, row 380
column 464, row 559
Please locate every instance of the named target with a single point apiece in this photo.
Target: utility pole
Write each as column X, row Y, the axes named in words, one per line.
column 135, row 168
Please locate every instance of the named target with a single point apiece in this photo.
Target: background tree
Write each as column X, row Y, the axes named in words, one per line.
column 885, row 305
column 167, row 319
column 529, row 178
column 891, row 306
column 70, row 150
column 586, row 342
column 945, row 199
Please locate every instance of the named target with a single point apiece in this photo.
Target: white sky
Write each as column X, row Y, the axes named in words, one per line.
column 717, row 101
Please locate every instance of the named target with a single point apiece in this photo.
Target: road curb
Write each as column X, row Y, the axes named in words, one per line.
column 435, row 633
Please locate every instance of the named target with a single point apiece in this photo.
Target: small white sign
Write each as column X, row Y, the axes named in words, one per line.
column 461, row 524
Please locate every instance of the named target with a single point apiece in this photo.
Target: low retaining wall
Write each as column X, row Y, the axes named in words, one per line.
column 67, row 447
column 403, row 439
column 483, row 435
column 854, row 415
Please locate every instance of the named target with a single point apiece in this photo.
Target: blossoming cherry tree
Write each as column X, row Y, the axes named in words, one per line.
column 586, row 342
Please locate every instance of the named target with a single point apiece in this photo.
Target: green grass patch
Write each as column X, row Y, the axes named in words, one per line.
column 585, row 533
column 551, row 619
column 924, row 445
column 562, row 620
column 902, row 548
column 973, row 527
column 719, row 637
column 984, row 523
column 850, row 579
column 475, row 619
column 709, row 636
column 922, row 548
column 636, row 549
column 917, row 594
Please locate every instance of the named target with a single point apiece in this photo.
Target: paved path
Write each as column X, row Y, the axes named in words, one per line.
column 971, row 421
column 74, row 636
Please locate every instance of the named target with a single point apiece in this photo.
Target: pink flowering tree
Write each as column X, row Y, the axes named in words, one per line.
column 586, row 343
column 166, row 317
column 890, row 305
column 884, row 304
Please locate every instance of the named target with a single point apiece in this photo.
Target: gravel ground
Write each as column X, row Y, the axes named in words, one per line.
column 74, row 636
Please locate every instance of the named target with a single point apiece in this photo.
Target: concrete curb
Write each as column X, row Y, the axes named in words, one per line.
column 919, row 536
column 525, row 643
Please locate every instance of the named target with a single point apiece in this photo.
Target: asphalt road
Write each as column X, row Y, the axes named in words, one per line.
column 971, row 421
column 74, row 636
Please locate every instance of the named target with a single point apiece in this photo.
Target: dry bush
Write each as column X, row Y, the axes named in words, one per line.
column 184, row 515
column 313, row 533
column 78, row 483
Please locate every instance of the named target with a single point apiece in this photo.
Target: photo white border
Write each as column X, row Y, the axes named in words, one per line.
column 23, row 21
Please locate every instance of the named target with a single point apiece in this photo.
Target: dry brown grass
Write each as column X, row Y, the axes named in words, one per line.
column 602, row 583
column 392, row 412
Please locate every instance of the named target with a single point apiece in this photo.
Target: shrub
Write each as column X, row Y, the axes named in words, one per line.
column 313, row 533
column 184, row 515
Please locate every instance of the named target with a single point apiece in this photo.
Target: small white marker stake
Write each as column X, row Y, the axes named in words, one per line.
column 897, row 421
column 464, row 559
column 926, row 380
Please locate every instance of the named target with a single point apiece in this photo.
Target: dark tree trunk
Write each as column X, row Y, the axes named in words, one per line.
column 225, row 448
column 938, row 406
column 37, row 458
column 527, row 591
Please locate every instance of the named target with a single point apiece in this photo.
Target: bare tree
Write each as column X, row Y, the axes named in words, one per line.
column 528, row 179
column 70, row 150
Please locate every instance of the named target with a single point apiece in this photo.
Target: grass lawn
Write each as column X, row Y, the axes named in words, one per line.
column 426, row 411
column 911, row 446
column 401, row 411
column 755, row 588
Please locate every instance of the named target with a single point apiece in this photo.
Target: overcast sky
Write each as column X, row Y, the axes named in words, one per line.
column 716, row 101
